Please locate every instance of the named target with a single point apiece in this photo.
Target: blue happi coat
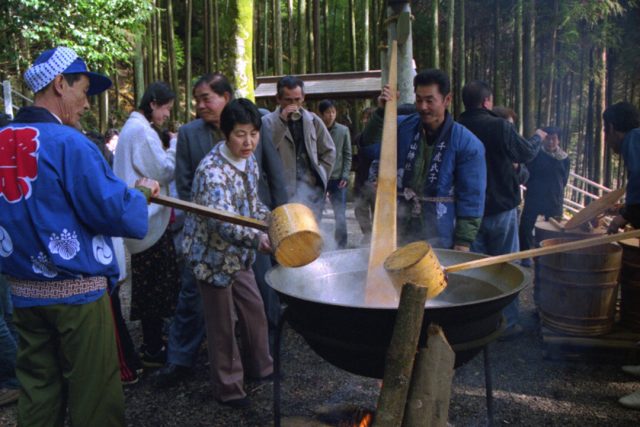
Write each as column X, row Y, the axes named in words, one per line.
column 455, row 190
column 59, row 206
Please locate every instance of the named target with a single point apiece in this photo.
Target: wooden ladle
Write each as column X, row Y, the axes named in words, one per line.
column 293, row 229
column 417, row 263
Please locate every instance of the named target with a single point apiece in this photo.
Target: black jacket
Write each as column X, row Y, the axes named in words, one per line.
column 504, row 147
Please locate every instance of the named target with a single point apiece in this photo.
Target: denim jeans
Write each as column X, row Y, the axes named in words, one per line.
column 8, row 339
column 498, row 235
column 187, row 328
column 338, row 197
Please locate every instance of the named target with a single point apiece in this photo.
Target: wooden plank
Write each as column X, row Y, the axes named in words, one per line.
column 595, row 208
column 384, row 233
column 430, row 390
column 618, row 346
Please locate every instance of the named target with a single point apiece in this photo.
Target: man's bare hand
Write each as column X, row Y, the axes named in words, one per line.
column 150, row 184
column 542, row 134
column 286, row 111
column 343, row 183
column 616, row 224
column 385, row 96
column 461, row 248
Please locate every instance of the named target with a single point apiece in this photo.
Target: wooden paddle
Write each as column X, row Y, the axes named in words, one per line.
column 563, row 247
column 383, row 235
column 210, row 212
column 595, row 208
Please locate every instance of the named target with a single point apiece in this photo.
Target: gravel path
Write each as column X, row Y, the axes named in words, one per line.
column 528, row 390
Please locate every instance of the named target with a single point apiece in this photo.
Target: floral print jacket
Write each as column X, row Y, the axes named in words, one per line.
column 216, row 250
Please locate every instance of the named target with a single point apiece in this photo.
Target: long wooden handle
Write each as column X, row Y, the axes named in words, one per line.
column 563, row 247
column 383, row 235
column 210, row 212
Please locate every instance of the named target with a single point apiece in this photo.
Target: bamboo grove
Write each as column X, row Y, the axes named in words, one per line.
column 554, row 62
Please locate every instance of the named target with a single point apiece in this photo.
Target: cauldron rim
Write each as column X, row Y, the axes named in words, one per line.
column 431, row 305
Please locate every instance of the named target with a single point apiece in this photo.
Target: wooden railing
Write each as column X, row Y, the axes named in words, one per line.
column 580, row 191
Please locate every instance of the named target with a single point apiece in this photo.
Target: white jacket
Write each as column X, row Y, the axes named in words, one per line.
column 140, row 154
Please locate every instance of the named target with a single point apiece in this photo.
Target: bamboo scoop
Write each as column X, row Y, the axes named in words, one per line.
column 383, row 234
column 293, row 229
column 417, row 263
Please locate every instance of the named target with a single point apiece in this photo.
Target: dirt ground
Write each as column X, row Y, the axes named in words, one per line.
column 529, row 390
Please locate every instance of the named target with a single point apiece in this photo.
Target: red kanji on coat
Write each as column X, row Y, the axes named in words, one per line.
column 18, row 162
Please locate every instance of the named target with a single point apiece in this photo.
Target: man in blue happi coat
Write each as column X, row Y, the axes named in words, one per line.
column 442, row 173
column 59, row 206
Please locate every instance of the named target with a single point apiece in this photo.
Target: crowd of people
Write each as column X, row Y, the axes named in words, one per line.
column 69, row 208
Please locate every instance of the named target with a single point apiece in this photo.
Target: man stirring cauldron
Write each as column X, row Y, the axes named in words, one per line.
column 60, row 203
column 442, row 174
column 622, row 135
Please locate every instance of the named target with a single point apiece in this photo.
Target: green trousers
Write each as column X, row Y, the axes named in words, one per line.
column 67, row 357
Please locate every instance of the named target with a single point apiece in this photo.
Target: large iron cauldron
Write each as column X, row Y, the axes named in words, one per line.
column 326, row 306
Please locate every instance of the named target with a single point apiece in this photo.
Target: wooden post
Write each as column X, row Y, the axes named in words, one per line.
column 430, row 390
column 400, row 356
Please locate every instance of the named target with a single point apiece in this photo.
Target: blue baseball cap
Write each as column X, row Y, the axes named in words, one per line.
column 62, row 60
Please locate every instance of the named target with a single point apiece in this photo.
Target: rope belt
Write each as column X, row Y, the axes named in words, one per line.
column 56, row 289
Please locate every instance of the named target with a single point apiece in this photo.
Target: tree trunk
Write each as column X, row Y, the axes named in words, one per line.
column 211, row 23
column 292, row 56
column 497, row 86
column 461, row 57
column 326, row 40
column 172, row 63
column 518, row 65
column 317, row 55
column 242, row 48
column 600, row 169
column 589, row 133
column 434, row 46
column 302, row 36
column 352, row 39
column 216, row 36
column 528, row 65
column 277, row 42
column 366, row 31
column 448, row 46
column 187, row 60
column 138, row 69
column 158, row 45
column 539, row 79
column 552, row 61
column 265, row 38
column 207, row 35
column 405, row 58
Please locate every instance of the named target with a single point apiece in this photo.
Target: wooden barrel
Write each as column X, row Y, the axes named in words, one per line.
column 630, row 284
column 578, row 289
column 545, row 230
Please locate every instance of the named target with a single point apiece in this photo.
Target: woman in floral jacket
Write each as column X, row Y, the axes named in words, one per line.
column 221, row 255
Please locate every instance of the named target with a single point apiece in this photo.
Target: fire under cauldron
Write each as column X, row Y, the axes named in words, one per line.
column 326, row 305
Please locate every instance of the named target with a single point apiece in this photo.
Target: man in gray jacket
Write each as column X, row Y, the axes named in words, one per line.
column 304, row 144
column 339, row 179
